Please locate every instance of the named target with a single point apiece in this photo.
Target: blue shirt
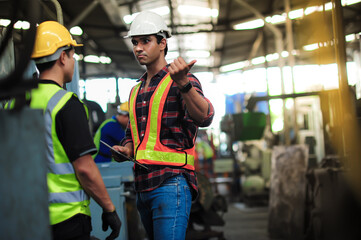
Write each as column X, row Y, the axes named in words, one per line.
column 112, row 133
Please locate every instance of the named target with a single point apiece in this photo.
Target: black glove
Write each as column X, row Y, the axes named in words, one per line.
column 111, row 219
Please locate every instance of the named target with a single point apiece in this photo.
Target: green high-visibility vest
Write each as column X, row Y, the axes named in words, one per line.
column 66, row 196
column 98, row 135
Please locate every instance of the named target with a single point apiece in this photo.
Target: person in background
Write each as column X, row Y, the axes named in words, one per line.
column 165, row 109
column 205, row 155
column 111, row 131
column 72, row 173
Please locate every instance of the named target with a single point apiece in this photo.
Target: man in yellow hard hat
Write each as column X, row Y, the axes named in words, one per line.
column 165, row 110
column 72, row 173
column 111, row 131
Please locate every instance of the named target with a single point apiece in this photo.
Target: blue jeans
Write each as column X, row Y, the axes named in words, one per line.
column 165, row 210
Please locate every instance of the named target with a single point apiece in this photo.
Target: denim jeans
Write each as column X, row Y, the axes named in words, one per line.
column 165, row 210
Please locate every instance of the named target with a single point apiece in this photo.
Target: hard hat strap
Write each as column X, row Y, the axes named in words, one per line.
column 53, row 56
column 163, row 34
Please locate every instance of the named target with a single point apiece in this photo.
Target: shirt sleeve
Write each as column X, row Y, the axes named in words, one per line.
column 197, row 85
column 128, row 136
column 72, row 128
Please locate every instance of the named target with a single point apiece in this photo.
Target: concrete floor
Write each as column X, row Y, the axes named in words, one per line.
column 244, row 222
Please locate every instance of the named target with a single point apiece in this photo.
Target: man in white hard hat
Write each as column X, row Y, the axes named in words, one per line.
column 166, row 109
column 72, row 173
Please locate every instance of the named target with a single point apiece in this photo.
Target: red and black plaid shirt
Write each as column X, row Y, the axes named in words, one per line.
column 177, row 131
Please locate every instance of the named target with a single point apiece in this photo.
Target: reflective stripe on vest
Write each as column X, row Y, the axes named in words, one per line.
column 68, row 197
column 150, row 150
column 56, row 168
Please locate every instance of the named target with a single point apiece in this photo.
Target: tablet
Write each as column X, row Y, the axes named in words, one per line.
column 121, row 157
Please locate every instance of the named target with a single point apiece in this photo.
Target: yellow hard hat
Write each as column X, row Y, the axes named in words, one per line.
column 50, row 36
column 123, row 108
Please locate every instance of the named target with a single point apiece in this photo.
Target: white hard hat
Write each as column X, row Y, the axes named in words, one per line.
column 148, row 23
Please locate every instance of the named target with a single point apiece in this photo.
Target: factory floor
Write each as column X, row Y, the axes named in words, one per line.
column 243, row 222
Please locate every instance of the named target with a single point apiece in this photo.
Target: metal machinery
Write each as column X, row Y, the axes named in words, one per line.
column 256, row 170
column 328, row 205
column 23, row 170
column 118, row 179
column 243, row 127
column 23, row 187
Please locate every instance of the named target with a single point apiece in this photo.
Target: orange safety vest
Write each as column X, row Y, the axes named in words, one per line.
column 150, row 150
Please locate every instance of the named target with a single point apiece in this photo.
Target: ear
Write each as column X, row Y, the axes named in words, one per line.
column 163, row 43
column 62, row 57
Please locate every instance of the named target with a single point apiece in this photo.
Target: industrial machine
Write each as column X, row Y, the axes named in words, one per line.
column 256, row 171
column 244, row 127
column 118, row 179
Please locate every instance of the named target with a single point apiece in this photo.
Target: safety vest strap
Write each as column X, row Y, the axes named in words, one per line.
column 156, row 105
column 169, row 158
column 132, row 114
column 57, row 168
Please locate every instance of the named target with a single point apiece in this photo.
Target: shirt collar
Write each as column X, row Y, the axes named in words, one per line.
column 46, row 81
column 160, row 74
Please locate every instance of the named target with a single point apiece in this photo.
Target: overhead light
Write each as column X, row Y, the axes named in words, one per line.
column 349, row 2
column 275, row 19
column 128, row 19
column 233, row 66
column 271, row 57
column 328, row 6
column 350, row 37
column 258, row 60
column 22, row 25
column 296, row 14
column 4, row 22
column 197, row 11
column 76, row 31
column 310, row 10
column 77, row 57
column 105, row 60
column 314, row 46
column 96, row 59
column 310, row 47
column 91, row 59
column 249, row 25
column 284, row 54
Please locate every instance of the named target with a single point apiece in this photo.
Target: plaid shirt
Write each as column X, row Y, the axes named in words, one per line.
column 177, row 131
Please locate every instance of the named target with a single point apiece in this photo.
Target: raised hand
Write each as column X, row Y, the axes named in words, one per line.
column 178, row 70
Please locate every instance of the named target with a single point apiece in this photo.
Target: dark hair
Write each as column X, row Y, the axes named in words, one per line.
column 159, row 39
column 45, row 66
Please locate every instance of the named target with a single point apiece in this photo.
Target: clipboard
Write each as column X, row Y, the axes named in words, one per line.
column 122, row 156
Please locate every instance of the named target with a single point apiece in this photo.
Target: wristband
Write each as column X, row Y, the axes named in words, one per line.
column 186, row 87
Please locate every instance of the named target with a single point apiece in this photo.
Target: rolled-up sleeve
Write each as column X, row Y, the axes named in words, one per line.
column 209, row 118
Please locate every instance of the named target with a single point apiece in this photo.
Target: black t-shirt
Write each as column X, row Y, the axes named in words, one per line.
column 72, row 128
column 73, row 132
